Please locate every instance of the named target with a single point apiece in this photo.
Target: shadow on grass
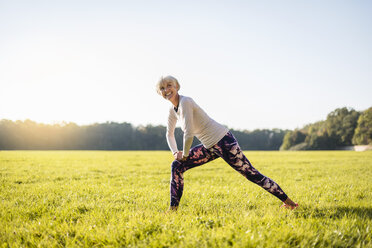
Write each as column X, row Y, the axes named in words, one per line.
column 336, row 212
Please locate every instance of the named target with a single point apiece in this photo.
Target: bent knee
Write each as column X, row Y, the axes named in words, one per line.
column 176, row 166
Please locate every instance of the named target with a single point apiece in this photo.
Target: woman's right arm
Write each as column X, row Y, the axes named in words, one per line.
column 172, row 121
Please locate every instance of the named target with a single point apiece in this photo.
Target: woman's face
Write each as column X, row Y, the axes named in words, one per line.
column 168, row 90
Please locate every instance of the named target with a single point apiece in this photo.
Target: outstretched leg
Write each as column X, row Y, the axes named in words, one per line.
column 229, row 149
column 198, row 155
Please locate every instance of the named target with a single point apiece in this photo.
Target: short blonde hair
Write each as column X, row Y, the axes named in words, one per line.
column 167, row 79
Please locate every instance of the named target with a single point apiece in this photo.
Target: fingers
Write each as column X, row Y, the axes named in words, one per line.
column 179, row 156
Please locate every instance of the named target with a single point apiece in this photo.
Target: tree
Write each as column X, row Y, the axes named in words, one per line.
column 293, row 138
column 363, row 132
column 341, row 124
column 260, row 139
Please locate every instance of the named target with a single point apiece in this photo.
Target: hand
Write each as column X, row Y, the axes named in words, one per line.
column 177, row 155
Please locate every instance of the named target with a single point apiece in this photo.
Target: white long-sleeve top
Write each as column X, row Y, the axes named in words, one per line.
column 194, row 122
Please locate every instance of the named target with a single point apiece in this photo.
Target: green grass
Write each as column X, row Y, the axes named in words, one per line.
column 118, row 199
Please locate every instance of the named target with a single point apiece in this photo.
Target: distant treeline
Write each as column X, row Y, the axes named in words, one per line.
column 29, row 135
column 343, row 127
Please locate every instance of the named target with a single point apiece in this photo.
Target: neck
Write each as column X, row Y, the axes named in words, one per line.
column 175, row 101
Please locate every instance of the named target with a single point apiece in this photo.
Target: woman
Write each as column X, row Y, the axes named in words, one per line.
column 217, row 141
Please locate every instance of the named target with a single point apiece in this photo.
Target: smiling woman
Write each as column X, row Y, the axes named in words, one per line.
column 166, row 87
column 217, row 141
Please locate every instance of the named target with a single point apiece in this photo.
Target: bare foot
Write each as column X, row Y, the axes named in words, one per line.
column 290, row 204
column 172, row 209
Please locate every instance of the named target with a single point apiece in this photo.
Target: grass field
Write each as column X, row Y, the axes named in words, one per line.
column 119, row 199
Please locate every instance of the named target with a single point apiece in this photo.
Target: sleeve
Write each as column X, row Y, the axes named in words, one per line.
column 188, row 136
column 171, row 140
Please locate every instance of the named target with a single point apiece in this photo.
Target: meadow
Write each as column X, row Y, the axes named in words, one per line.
column 120, row 198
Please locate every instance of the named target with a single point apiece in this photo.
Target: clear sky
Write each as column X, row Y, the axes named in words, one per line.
column 249, row 64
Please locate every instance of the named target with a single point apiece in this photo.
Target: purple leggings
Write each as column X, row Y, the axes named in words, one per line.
column 228, row 149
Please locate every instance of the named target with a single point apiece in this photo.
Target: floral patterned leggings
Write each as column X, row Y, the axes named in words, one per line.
column 228, row 149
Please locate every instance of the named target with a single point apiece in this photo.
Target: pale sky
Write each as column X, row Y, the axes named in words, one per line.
column 248, row 64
